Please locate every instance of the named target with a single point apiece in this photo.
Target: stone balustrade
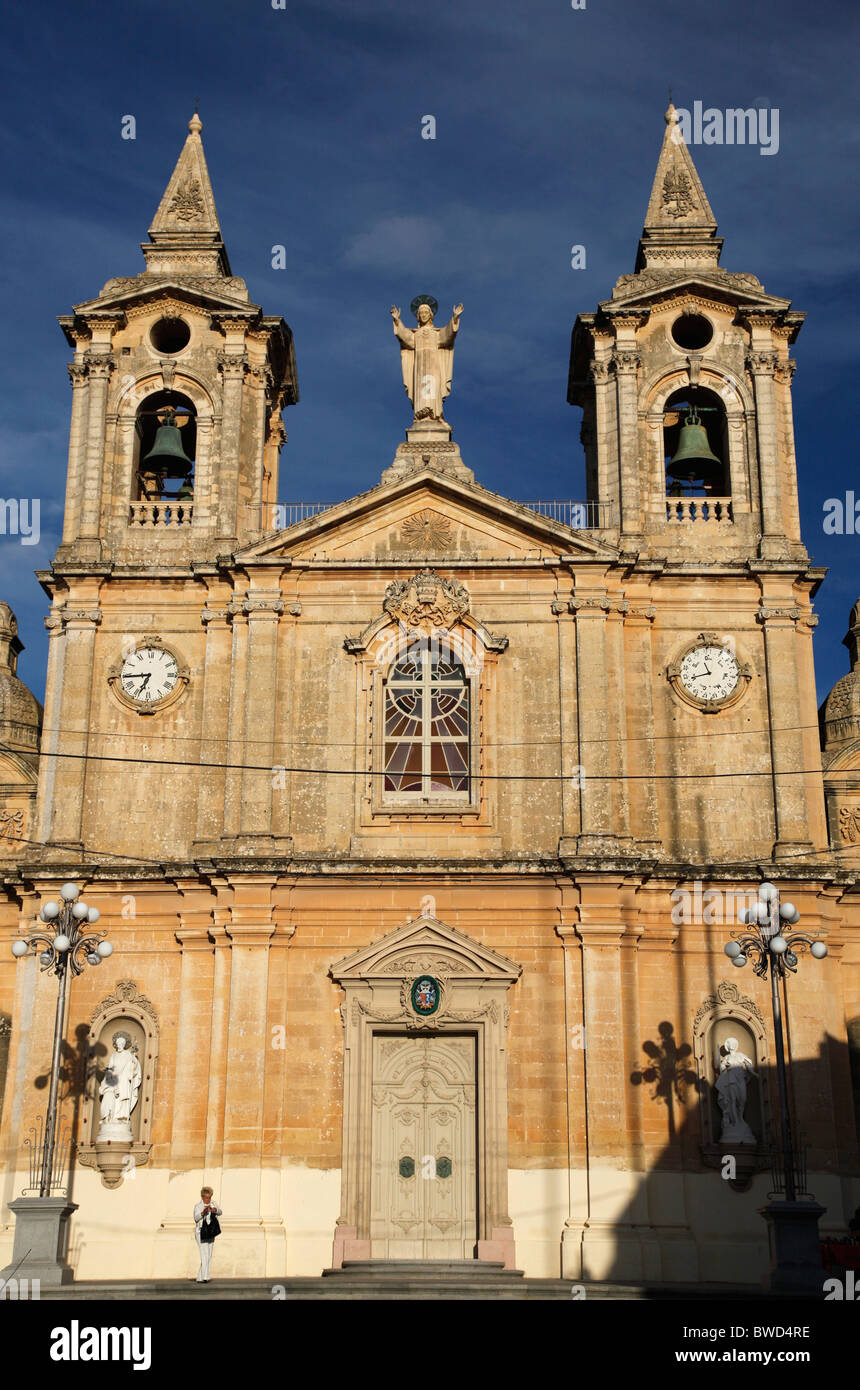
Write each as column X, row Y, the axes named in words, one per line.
column 164, row 513
column 699, row 509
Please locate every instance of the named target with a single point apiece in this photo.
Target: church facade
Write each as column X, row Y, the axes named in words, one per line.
column 418, row 824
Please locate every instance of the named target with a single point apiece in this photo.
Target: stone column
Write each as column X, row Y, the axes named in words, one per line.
column 785, row 717
column 626, row 361
column 783, row 374
column 249, row 1047
column 194, row 1058
column 78, row 374
column 761, row 364
column 233, row 365
column 610, row 1246
column 236, row 718
column 214, row 1151
column 642, row 760
column 217, row 619
column 597, row 835
column 570, row 757
column 65, row 779
column 262, row 608
column 616, row 725
column 100, row 365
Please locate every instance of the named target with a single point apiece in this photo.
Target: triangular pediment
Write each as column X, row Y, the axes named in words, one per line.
column 650, row 287
column 429, row 946
column 210, row 291
column 429, row 518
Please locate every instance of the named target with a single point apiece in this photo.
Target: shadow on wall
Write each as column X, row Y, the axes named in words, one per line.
column 709, row 1229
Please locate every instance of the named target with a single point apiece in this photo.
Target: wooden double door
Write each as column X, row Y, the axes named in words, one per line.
column 423, row 1148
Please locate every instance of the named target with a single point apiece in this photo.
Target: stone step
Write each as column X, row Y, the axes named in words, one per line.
column 431, row 1269
column 415, row 1286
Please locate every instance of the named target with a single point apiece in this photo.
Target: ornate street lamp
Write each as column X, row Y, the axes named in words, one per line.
column 775, row 951
column 67, row 945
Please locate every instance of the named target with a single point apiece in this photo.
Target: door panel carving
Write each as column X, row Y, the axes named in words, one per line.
column 423, row 1185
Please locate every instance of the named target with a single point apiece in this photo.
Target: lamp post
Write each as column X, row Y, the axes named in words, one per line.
column 68, row 943
column 774, row 951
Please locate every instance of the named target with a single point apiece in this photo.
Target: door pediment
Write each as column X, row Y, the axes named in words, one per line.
column 426, row 946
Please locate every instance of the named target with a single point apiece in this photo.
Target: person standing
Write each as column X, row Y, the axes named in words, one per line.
column 207, row 1227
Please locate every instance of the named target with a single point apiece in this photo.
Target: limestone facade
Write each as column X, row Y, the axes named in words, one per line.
column 275, row 885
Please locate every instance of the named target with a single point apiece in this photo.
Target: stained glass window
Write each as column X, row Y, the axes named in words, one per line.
column 427, row 712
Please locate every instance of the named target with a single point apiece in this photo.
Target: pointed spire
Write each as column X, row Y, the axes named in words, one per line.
column 680, row 230
column 185, row 236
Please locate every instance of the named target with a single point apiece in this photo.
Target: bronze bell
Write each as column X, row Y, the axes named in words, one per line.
column 167, row 455
column 694, row 459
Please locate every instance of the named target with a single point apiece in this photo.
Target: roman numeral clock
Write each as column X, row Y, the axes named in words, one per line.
column 708, row 675
column 149, row 677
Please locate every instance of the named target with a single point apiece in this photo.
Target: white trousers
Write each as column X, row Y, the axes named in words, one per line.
column 205, row 1247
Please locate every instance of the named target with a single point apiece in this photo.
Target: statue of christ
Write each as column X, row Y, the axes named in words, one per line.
column 427, row 357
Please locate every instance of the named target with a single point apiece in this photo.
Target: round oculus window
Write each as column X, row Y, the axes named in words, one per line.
column 170, row 335
column 692, row 332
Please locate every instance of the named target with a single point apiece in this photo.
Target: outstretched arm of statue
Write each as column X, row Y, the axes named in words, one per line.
column 406, row 336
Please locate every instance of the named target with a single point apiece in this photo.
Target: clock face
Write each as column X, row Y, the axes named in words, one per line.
column 710, row 673
column 149, row 675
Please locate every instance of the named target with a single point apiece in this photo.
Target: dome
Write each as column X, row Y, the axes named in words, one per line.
column 20, row 711
column 841, row 709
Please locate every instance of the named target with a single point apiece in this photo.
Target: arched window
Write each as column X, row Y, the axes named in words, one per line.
column 427, row 722
column 693, row 473
column 169, row 476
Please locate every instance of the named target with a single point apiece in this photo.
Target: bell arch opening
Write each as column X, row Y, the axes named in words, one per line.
column 695, row 444
column 164, row 448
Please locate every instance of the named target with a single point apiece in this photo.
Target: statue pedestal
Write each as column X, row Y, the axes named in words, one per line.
column 795, row 1253
column 41, row 1240
column 428, row 445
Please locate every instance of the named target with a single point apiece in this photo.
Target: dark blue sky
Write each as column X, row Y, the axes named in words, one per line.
column 549, row 122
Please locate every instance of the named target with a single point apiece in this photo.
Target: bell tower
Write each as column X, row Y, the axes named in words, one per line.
column 179, row 383
column 684, row 379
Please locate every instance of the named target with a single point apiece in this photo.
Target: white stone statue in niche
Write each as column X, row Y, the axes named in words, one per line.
column 731, row 1088
column 119, row 1090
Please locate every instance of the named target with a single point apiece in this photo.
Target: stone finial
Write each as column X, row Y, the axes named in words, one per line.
column 185, row 235
column 680, row 229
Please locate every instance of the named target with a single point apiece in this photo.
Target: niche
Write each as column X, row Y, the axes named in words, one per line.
column 129, row 1012
column 723, row 1015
